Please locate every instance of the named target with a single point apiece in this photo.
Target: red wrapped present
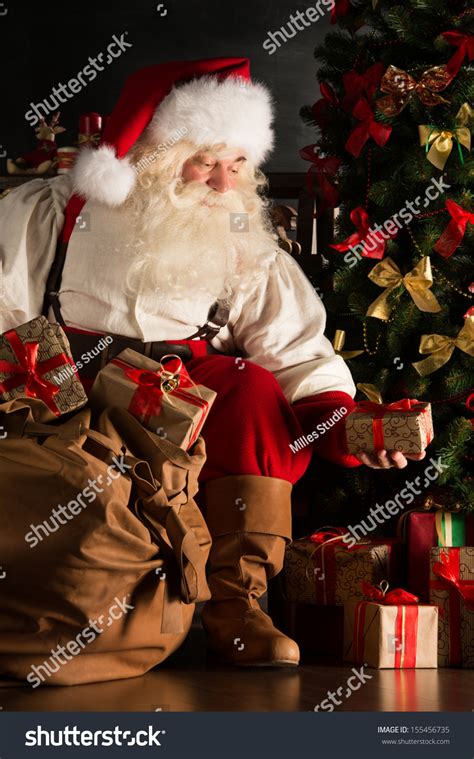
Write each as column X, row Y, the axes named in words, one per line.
column 452, row 590
column 163, row 398
column 421, row 531
column 323, row 569
column 390, row 630
column 36, row 362
column 405, row 426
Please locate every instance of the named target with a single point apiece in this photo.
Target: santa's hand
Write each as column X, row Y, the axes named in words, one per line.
column 387, row 459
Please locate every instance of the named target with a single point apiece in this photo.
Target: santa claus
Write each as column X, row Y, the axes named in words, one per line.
column 160, row 241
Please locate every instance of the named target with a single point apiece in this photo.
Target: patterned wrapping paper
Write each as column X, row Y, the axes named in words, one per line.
column 390, row 636
column 456, row 620
column 330, row 573
column 400, row 430
column 421, row 531
column 59, row 388
column 132, row 381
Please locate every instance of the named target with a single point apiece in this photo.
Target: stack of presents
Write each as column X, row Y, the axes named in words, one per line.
column 398, row 602
column 36, row 363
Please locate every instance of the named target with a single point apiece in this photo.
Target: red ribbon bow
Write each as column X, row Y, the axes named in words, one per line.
column 452, row 236
column 323, row 168
column 363, row 85
column 379, row 409
column 360, row 219
column 448, row 569
column 368, row 128
column 28, row 371
column 465, row 45
column 327, row 533
column 395, row 597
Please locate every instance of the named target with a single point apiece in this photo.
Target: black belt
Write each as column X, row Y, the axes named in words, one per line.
column 107, row 347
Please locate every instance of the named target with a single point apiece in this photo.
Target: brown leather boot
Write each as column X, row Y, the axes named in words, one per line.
column 249, row 518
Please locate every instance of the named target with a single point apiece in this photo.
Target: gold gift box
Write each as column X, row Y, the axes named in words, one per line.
column 390, row 636
column 52, row 342
column 175, row 409
column 329, row 573
column 409, row 431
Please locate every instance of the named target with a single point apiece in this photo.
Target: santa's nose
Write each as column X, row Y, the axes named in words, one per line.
column 219, row 181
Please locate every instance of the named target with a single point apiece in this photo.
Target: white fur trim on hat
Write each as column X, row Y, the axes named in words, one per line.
column 100, row 175
column 209, row 111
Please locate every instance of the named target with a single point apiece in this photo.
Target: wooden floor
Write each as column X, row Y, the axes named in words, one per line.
column 188, row 682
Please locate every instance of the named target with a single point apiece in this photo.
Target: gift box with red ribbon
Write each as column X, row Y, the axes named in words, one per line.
column 421, row 530
column 452, row 590
column 36, row 362
column 161, row 395
column 405, row 426
column 323, row 569
column 390, row 630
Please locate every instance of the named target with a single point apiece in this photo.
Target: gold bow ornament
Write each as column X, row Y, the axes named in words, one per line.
column 439, row 142
column 401, row 87
column 417, row 281
column 338, row 345
column 441, row 348
column 89, row 139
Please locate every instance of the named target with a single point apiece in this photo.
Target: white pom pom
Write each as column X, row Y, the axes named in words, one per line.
column 100, row 175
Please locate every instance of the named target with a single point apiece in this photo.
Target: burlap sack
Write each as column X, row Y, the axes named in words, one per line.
column 110, row 592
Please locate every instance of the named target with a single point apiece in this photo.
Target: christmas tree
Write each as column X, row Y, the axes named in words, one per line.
column 393, row 153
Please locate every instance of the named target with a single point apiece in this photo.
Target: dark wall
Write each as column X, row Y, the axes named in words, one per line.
column 44, row 45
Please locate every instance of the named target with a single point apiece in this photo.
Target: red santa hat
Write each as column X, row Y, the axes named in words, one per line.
column 206, row 102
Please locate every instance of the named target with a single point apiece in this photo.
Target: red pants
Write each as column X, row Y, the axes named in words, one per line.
column 250, row 425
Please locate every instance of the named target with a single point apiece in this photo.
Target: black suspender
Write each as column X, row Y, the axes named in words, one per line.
column 217, row 317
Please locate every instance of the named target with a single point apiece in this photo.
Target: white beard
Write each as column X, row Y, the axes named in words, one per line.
column 185, row 244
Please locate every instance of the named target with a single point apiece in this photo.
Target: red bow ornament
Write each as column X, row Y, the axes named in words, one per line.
column 452, row 236
column 381, row 595
column 321, row 109
column 364, row 85
column 360, row 219
column 324, row 169
column 368, row 127
column 465, row 45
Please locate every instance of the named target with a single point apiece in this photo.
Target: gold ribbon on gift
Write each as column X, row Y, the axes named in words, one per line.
column 439, row 143
column 417, row 281
column 401, row 87
column 441, row 348
column 338, row 345
column 370, row 391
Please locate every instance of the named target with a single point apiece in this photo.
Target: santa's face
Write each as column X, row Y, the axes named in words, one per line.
column 219, row 173
column 186, row 244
